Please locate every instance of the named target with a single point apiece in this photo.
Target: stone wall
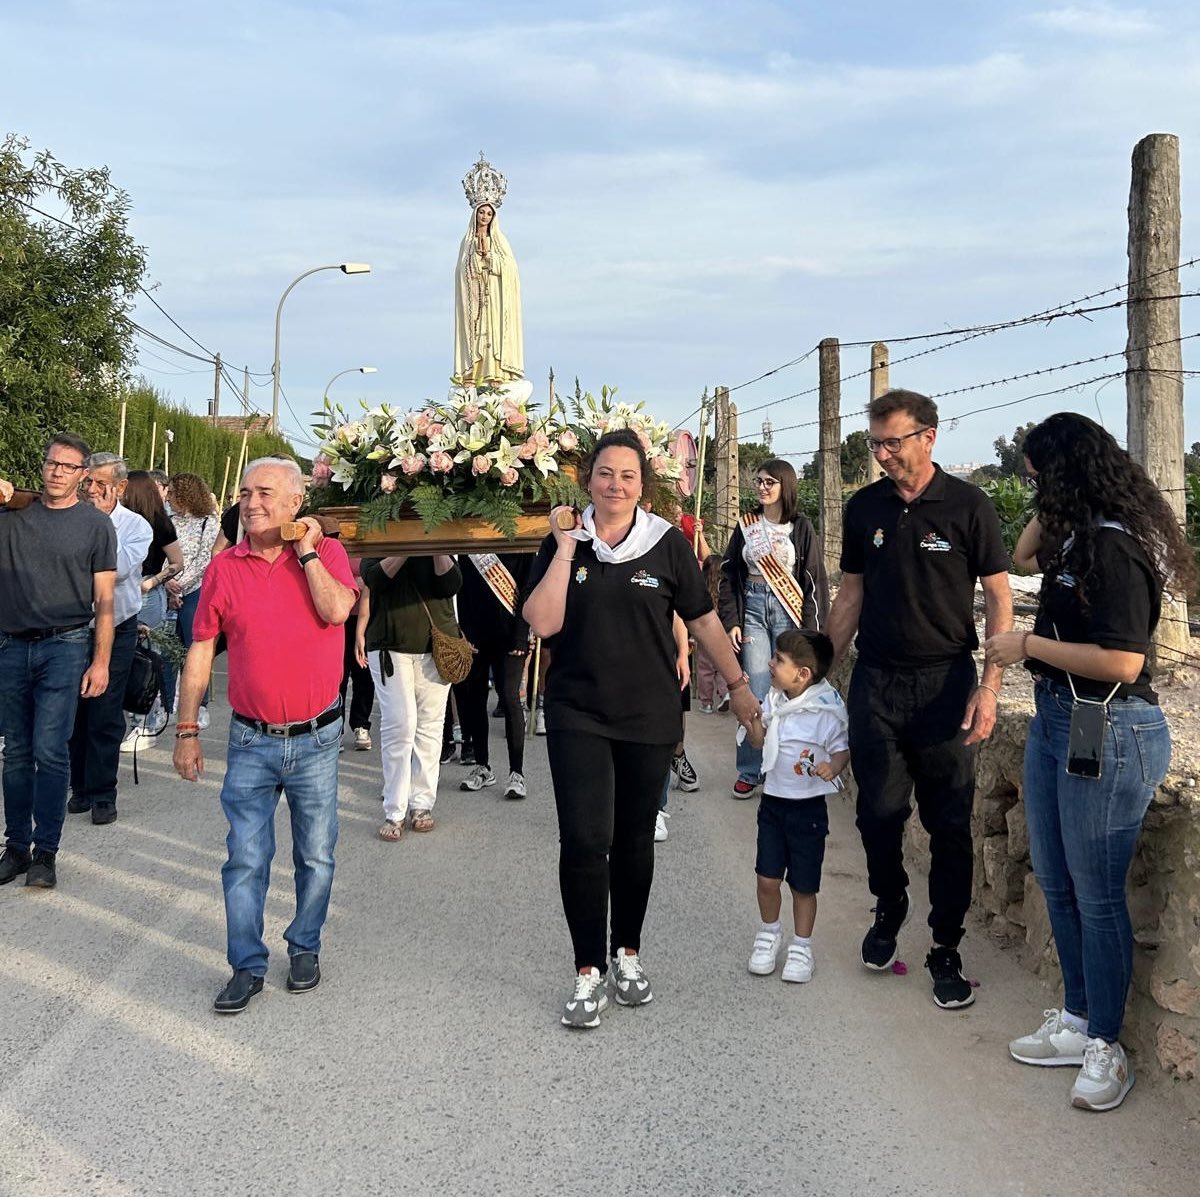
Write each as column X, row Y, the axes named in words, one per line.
column 1162, row 1022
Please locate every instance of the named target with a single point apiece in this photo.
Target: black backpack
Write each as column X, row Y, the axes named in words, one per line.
column 145, row 679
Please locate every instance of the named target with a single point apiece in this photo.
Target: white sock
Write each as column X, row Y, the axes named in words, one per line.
column 1075, row 1022
column 802, row 941
column 774, row 928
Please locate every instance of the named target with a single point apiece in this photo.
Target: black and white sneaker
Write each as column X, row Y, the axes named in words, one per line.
column 951, row 990
column 630, row 985
column 516, row 786
column 879, row 944
column 479, row 777
column 590, row 999
column 684, row 773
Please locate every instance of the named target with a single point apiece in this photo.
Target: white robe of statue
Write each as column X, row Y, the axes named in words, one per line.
column 488, row 345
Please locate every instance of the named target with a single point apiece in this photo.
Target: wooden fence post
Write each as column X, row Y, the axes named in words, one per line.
column 1154, row 376
column 879, row 384
column 830, row 456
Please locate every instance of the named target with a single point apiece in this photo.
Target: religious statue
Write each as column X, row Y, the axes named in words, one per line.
column 488, row 346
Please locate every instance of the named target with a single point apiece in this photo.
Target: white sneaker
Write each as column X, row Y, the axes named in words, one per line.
column 479, row 777
column 660, row 826
column 362, row 739
column 202, row 717
column 631, row 986
column 590, row 998
column 1104, row 1079
column 539, row 724
column 764, row 956
column 1052, row 1045
column 138, row 738
column 516, row 786
column 706, row 708
column 799, row 963
column 157, row 719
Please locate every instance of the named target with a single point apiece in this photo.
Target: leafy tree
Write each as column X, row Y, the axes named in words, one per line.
column 855, row 461
column 1010, row 453
column 1191, row 459
column 67, row 280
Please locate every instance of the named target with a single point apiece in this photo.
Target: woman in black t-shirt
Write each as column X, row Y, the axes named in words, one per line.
column 1098, row 746
column 603, row 596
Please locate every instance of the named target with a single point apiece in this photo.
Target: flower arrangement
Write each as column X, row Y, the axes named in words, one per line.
column 484, row 452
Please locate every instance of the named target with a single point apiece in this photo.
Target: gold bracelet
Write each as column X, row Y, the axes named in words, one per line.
column 189, row 735
column 560, row 557
column 989, row 689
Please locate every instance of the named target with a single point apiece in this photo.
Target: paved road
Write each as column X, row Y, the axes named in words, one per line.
column 430, row 1060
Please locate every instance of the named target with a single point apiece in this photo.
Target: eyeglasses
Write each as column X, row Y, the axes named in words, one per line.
column 892, row 443
column 51, row 464
column 766, row 483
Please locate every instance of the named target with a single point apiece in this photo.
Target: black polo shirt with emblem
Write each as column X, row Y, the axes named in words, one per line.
column 919, row 562
column 612, row 666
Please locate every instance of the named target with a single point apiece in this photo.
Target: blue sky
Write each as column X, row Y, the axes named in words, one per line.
column 697, row 192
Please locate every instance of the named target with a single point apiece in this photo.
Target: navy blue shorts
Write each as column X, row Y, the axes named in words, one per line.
column 791, row 841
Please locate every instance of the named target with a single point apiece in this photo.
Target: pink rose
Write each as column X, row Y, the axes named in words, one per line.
column 470, row 412
column 527, row 450
column 658, row 463
column 567, row 440
column 414, row 463
column 435, row 430
column 480, row 464
column 514, row 417
column 509, row 477
column 440, row 463
column 321, row 471
column 421, row 422
column 647, row 443
column 387, row 483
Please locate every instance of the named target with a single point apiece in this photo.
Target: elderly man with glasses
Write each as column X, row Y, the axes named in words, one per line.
column 913, row 546
column 100, row 719
column 57, row 570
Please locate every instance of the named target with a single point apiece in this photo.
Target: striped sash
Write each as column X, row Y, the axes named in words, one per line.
column 783, row 585
column 501, row 583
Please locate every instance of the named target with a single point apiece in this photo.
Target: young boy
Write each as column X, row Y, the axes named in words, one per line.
column 802, row 735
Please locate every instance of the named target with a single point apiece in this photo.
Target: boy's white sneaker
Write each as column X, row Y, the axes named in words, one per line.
column 764, row 956
column 660, row 826
column 1104, row 1079
column 799, row 963
column 1054, row 1044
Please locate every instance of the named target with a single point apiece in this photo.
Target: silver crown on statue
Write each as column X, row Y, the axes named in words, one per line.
column 484, row 184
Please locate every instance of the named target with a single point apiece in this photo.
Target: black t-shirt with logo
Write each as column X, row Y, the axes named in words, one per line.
column 920, row 562
column 612, row 666
column 1124, row 598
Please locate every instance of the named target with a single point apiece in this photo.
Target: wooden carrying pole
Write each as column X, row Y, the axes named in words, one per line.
column 830, row 457
column 225, row 480
column 699, row 493
column 241, row 465
column 121, row 429
column 879, row 386
column 153, row 443
column 1154, row 376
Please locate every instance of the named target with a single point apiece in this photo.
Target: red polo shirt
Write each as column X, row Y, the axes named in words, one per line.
column 285, row 661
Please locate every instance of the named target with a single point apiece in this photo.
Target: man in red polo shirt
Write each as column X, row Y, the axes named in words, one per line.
column 281, row 607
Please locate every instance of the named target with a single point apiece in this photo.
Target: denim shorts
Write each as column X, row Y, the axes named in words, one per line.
column 791, row 840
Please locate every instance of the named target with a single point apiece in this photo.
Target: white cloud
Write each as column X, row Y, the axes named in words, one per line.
column 1096, row 20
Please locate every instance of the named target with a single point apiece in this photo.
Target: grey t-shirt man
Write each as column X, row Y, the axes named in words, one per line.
column 48, row 557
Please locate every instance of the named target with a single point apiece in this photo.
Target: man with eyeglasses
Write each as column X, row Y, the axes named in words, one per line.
column 100, row 719
column 914, row 544
column 57, row 570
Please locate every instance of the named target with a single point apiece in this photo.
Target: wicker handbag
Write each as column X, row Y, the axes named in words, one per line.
column 452, row 655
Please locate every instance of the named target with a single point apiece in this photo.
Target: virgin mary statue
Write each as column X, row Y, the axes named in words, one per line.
column 488, row 346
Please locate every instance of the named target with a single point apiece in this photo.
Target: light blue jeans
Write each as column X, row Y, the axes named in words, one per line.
column 764, row 623
column 259, row 769
column 1082, row 836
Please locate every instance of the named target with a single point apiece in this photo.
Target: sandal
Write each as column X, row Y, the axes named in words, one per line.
column 421, row 820
column 391, row 831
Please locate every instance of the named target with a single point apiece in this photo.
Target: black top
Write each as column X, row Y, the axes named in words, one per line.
column 229, row 522
column 808, row 570
column 485, row 622
column 612, row 666
column 1124, row 599
column 919, row 563
column 164, row 534
column 398, row 620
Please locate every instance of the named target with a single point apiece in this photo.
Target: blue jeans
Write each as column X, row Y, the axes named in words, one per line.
column 1082, row 836
column 39, row 691
column 764, row 622
column 259, row 768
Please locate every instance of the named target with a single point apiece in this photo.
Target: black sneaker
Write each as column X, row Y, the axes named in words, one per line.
column 77, row 806
column 13, row 863
column 447, row 753
column 467, row 756
column 951, row 990
column 41, row 874
column 879, row 944
column 682, row 768
column 104, row 812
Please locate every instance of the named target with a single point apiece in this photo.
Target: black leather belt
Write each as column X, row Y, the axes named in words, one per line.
column 285, row 730
column 46, row 633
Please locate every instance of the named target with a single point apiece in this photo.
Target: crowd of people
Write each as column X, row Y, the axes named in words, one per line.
column 621, row 603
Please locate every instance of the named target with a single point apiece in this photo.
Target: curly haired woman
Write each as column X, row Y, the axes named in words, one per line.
column 1099, row 745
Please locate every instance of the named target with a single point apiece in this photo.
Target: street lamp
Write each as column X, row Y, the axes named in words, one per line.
column 352, row 370
column 345, row 268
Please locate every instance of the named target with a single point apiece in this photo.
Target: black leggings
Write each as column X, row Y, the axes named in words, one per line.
column 471, row 694
column 607, row 794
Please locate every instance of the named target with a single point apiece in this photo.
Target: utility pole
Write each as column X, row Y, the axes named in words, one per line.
column 725, row 435
column 879, row 384
column 830, row 456
column 216, row 399
column 1154, row 376
column 246, row 391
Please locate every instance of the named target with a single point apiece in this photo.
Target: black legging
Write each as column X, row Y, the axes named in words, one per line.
column 472, row 697
column 607, row 794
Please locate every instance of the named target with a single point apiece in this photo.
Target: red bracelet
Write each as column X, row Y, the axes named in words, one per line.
column 187, row 727
column 738, row 683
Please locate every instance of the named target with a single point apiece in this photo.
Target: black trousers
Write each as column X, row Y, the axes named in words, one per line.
column 100, row 725
column 363, row 700
column 471, row 694
column 906, row 738
column 607, row 793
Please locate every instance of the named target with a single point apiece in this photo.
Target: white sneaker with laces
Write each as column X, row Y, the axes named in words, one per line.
column 589, row 999
column 1104, row 1079
column 539, row 726
column 1054, row 1044
column 362, row 739
column 799, row 964
column 202, row 718
column 764, row 956
column 137, row 739
column 631, row 986
column 516, row 786
column 660, row 826
column 157, row 719
column 479, row 777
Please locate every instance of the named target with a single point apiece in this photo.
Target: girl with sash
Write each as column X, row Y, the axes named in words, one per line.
column 772, row 580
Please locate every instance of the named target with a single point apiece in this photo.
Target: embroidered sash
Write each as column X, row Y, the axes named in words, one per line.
column 783, row 585
column 500, row 582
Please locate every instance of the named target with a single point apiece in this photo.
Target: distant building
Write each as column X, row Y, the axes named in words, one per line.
column 963, row 469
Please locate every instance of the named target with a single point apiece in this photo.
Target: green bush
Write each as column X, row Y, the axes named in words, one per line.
column 1013, row 501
